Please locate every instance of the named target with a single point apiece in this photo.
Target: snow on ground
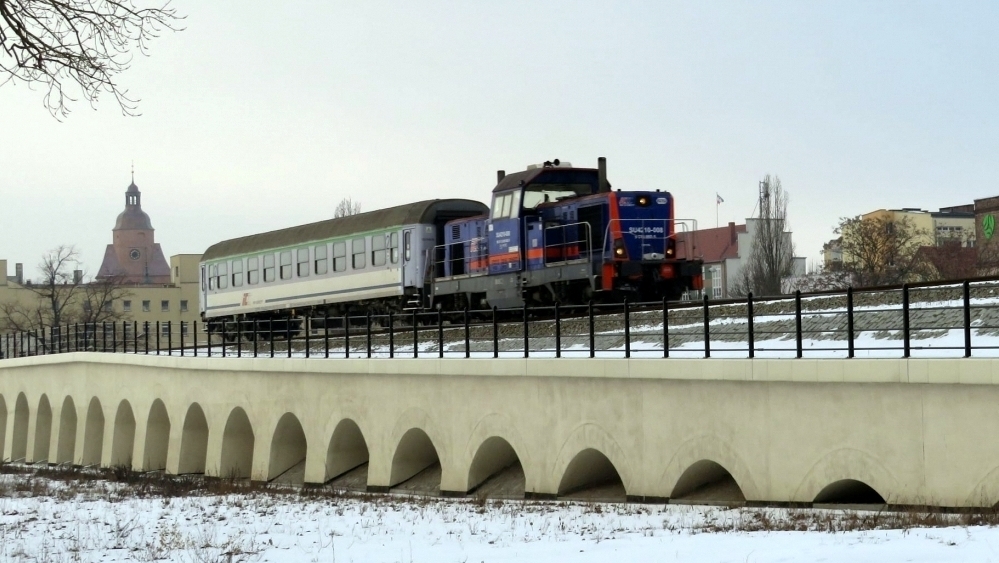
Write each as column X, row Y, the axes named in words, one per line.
column 55, row 520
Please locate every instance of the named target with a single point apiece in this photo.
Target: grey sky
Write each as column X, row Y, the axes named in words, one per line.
column 263, row 115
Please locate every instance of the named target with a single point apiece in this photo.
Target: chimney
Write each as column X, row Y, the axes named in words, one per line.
column 77, row 277
column 731, row 232
column 602, row 184
column 3, row 272
column 500, row 174
column 19, row 273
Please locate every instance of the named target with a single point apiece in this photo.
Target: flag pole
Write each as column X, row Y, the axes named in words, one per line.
column 716, row 210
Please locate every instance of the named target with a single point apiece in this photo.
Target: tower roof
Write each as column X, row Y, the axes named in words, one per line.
column 133, row 218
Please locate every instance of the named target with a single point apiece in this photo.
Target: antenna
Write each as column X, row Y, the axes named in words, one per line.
column 133, row 171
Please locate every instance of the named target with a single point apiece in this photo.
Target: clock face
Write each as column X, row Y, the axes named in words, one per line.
column 134, row 254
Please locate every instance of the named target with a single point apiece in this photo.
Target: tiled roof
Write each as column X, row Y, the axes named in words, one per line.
column 715, row 245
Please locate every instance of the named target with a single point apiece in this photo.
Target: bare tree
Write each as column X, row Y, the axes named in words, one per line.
column 80, row 43
column 346, row 207
column 882, row 250
column 98, row 297
column 771, row 260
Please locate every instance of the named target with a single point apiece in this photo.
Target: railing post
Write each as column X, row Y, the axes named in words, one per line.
column 326, row 333
column 194, row 335
column 967, row 319
column 849, row 322
column 665, row 328
column 287, row 334
column 495, row 334
column 145, row 333
column 223, row 336
column 589, row 311
column 416, row 336
column 308, row 329
column 707, row 331
column 270, row 334
column 558, row 331
column 527, row 338
column 367, row 320
column 440, row 334
column 906, row 349
column 256, row 336
column 135, row 337
column 239, row 338
column 468, row 351
column 797, row 322
column 76, row 337
column 391, row 334
column 182, row 339
column 169, row 328
column 627, row 329
column 749, row 324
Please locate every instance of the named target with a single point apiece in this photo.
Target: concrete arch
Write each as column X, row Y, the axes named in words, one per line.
column 93, row 434
column 19, row 441
column 157, row 437
column 496, row 456
column 43, row 430
column 288, row 448
column 707, row 480
column 347, row 450
column 497, row 425
column 590, row 436
column 123, row 442
column 849, row 491
column 592, row 471
column 3, row 423
column 194, row 441
column 237, row 445
column 66, row 446
column 847, row 464
column 709, row 448
column 414, row 453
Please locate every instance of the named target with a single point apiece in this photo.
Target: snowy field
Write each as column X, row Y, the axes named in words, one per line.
column 68, row 520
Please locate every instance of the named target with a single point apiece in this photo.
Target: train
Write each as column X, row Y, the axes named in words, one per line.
column 553, row 233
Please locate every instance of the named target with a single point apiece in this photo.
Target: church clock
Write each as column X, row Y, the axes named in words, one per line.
column 134, row 254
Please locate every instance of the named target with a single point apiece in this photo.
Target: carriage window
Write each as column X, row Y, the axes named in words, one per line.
column 339, row 256
column 378, row 250
column 268, row 268
column 237, row 273
column 303, row 262
column 213, row 272
column 320, row 252
column 253, row 270
column 357, row 254
column 406, row 245
column 286, row 265
column 394, row 248
column 223, row 276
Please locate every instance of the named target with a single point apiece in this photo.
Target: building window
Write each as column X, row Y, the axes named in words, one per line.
column 394, row 248
column 165, row 329
column 378, row 250
column 183, row 325
column 164, row 305
column 108, row 306
column 126, row 305
column 145, row 306
column 303, row 262
column 357, row 254
column 286, row 265
column 237, row 273
column 716, row 283
column 268, row 268
column 183, row 305
column 339, row 256
column 252, row 271
column 320, row 254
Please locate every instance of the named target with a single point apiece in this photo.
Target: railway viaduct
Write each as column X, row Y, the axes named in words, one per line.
column 916, row 431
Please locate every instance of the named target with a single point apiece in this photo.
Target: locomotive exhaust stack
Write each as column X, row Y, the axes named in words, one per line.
column 602, row 183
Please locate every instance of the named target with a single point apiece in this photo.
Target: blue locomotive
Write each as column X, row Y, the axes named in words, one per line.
column 559, row 233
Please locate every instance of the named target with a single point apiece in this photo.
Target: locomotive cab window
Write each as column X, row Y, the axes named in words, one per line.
column 339, row 256
column 506, row 206
column 378, row 250
column 394, row 248
column 303, row 262
column 237, row 273
column 286, row 265
column 253, row 270
column 320, row 256
column 268, row 268
column 357, row 254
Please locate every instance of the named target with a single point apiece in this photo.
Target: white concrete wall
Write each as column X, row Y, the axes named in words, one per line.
column 914, row 430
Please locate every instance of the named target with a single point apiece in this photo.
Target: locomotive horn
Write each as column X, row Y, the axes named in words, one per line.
column 603, row 186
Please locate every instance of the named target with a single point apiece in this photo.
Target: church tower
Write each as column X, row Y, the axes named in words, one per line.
column 133, row 253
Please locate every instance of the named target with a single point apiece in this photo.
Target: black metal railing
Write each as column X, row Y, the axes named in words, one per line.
column 925, row 320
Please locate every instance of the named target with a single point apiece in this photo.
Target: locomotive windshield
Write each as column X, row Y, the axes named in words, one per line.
column 536, row 194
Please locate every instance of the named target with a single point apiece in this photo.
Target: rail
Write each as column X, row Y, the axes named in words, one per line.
column 568, row 250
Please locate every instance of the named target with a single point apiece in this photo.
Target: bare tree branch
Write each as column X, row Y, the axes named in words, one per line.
column 346, row 207
column 772, row 258
column 882, row 250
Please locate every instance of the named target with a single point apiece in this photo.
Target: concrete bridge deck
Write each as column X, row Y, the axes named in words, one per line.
column 915, row 431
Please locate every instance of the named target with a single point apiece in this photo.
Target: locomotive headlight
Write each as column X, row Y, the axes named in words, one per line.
column 669, row 251
column 643, row 201
column 619, row 250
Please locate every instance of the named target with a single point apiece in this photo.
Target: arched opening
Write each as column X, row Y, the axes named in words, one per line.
column 288, row 450
column 416, row 467
column 66, row 446
column 496, row 471
column 19, row 442
column 157, row 437
column 194, row 442
column 708, row 481
column 93, row 434
column 3, row 423
column 237, row 446
column 347, row 457
column 848, row 491
column 43, row 431
column 124, row 436
column 591, row 476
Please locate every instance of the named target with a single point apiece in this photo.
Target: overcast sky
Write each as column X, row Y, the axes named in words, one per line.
column 262, row 115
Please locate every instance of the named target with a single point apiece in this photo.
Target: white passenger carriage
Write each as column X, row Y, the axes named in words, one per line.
column 375, row 261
